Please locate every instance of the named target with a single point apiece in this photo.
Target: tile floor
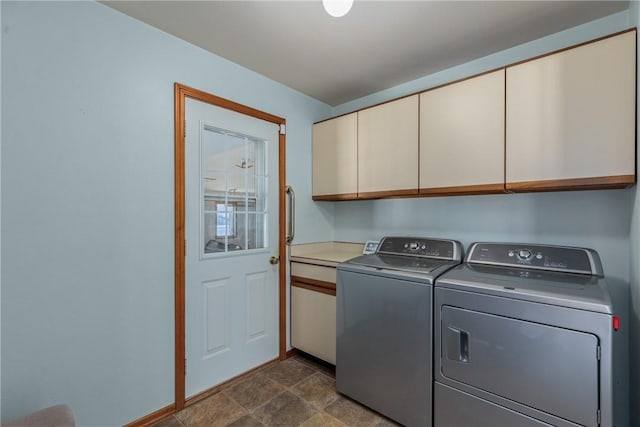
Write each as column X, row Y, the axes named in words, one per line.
column 296, row 392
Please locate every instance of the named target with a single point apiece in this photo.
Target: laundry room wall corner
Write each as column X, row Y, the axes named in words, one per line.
column 634, row 301
column 634, row 304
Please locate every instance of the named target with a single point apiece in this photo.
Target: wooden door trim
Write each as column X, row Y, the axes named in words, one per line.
column 181, row 92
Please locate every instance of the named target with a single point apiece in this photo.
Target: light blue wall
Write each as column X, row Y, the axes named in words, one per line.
column 597, row 219
column 634, row 310
column 87, row 200
column 87, row 203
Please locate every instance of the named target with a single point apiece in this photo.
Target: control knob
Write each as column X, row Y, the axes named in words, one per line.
column 524, row 254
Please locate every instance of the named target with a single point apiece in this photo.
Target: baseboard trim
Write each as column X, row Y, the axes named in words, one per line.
column 167, row 411
column 291, row 353
column 153, row 417
column 216, row 389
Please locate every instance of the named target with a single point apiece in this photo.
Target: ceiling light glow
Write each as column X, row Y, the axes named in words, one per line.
column 337, row 8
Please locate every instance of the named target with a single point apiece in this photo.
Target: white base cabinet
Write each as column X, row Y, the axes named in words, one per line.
column 313, row 323
column 313, row 310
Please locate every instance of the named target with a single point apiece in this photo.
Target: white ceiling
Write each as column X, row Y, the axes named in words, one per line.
column 378, row 45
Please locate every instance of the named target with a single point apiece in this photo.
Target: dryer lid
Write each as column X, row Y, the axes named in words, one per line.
column 571, row 290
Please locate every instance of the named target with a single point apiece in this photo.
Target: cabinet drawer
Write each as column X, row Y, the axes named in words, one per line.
column 314, row 272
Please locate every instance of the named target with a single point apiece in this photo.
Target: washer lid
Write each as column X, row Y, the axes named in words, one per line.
column 414, row 258
column 413, row 264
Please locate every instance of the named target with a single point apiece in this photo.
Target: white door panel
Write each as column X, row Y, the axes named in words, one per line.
column 231, row 227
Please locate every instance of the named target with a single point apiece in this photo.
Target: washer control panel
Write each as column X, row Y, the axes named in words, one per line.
column 424, row 247
column 525, row 255
column 547, row 257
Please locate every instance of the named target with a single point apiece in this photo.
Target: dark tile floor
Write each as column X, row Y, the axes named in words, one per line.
column 299, row 391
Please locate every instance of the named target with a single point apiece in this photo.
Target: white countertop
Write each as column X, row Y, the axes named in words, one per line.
column 325, row 253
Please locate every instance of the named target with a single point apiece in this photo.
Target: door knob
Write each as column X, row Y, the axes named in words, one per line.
column 274, row 260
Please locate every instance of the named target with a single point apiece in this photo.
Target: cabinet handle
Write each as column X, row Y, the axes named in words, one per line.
column 291, row 225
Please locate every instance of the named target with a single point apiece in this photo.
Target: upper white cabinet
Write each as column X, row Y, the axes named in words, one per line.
column 570, row 118
column 388, row 149
column 564, row 121
column 462, row 137
column 335, row 158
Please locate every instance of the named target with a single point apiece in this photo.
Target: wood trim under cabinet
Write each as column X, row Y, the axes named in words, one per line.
column 463, row 190
column 388, row 194
column 335, row 197
column 601, row 182
column 314, row 285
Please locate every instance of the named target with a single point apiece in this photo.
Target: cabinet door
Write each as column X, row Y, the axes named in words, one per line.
column 313, row 322
column 462, row 137
column 571, row 118
column 388, row 149
column 335, row 154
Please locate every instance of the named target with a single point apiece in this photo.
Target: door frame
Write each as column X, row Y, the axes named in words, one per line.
column 181, row 92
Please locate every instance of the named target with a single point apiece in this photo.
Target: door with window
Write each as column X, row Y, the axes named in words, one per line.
column 231, row 229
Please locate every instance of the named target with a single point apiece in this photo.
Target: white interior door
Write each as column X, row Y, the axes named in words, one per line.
column 231, row 227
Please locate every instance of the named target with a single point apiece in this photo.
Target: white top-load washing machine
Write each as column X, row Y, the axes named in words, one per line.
column 384, row 325
column 524, row 336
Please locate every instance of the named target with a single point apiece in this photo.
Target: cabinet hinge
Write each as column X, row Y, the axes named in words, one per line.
column 185, row 128
column 599, row 415
column 283, row 129
column 598, row 352
column 185, row 366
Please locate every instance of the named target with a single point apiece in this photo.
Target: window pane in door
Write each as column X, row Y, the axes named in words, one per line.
column 225, row 224
column 252, row 229
column 234, row 182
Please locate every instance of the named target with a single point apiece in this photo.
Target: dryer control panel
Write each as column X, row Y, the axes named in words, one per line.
column 540, row 257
